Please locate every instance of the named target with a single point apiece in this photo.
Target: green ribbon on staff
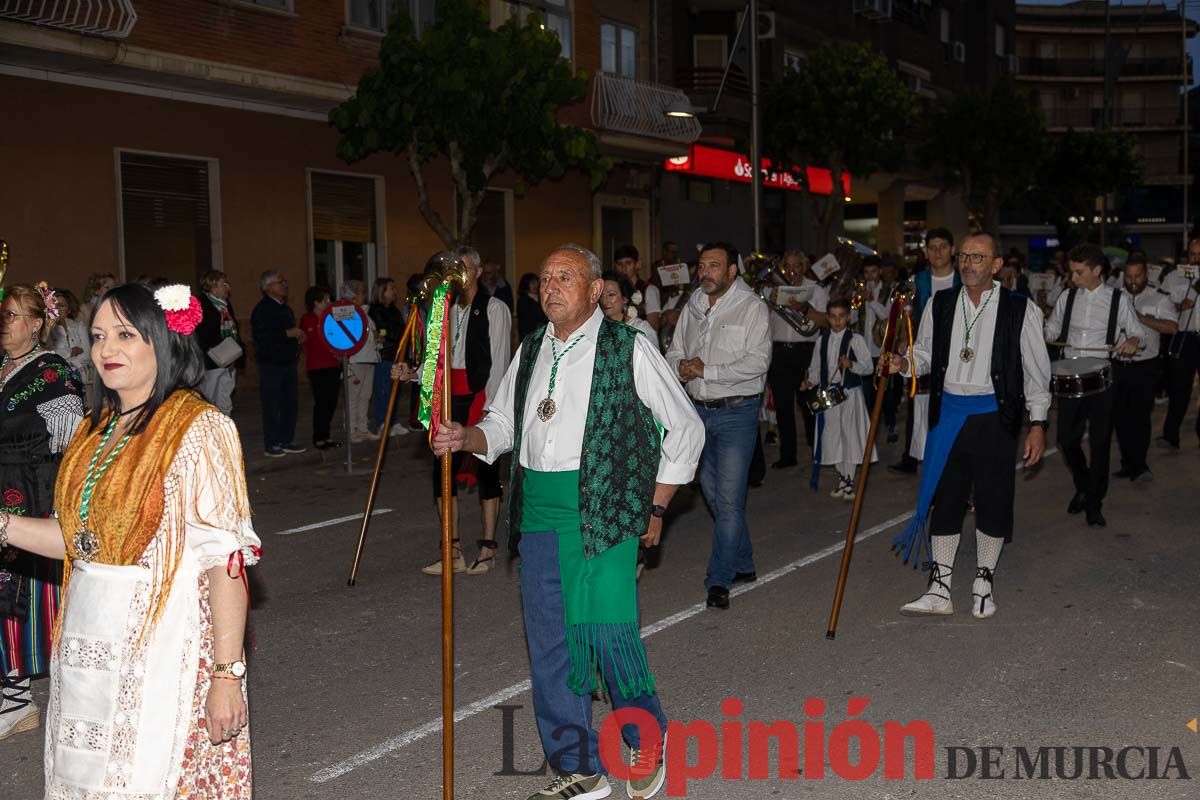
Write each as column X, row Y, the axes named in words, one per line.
column 434, row 331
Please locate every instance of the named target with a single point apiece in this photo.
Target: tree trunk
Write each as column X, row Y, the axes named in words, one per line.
column 432, row 217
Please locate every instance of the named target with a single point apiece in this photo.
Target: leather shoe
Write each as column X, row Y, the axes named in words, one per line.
column 718, row 597
column 1078, row 503
column 1095, row 519
column 1123, row 472
column 907, row 466
column 745, row 577
column 781, row 464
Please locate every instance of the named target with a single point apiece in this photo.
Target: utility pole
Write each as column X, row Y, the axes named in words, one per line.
column 755, row 132
column 1109, row 88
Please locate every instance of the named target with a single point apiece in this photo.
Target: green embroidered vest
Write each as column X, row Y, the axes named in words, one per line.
column 621, row 444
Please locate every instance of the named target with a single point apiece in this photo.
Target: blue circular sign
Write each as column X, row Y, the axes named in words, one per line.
column 344, row 328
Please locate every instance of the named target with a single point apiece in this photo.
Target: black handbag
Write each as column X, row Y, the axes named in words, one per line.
column 14, row 595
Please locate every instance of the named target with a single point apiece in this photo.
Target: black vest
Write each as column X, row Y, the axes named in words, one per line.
column 1008, row 377
column 850, row 379
column 479, row 342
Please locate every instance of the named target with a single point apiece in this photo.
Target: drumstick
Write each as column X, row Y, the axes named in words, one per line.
column 1111, row 349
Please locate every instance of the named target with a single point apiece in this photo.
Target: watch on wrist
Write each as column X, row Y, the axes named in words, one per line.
column 658, row 511
column 234, row 669
column 1040, row 423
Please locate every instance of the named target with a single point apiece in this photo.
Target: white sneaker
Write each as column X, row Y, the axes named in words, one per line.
column 398, row 429
column 17, row 719
column 928, row 605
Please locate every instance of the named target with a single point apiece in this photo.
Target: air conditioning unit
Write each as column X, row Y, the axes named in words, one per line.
column 766, row 24
column 1013, row 64
column 959, row 51
column 874, row 9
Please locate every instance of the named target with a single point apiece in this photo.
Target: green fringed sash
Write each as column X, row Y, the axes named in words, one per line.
column 599, row 594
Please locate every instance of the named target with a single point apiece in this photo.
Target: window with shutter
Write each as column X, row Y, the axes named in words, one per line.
column 344, row 224
column 166, row 217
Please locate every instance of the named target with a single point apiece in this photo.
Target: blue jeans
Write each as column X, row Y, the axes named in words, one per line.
column 383, row 390
column 564, row 719
column 729, row 437
column 277, row 389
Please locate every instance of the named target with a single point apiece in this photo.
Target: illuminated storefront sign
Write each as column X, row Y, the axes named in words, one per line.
column 710, row 162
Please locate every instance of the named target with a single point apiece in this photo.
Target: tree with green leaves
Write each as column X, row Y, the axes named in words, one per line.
column 486, row 100
column 845, row 109
column 990, row 143
column 1081, row 167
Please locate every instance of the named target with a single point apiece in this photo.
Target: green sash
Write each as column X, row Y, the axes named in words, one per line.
column 599, row 594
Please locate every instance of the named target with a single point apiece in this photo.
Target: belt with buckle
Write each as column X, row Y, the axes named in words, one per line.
column 722, row 402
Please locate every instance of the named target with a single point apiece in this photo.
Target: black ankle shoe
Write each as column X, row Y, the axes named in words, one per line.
column 1095, row 519
column 718, row 597
column 1078, row 503
column 745, row 577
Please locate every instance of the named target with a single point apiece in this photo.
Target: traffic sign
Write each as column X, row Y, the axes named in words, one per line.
column 344, row 328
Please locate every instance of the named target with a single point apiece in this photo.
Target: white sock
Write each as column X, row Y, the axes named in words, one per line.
column 988, row 548
column 846, row 470
column 945, row 548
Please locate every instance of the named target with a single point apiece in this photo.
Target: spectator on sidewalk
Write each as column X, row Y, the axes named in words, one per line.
column 219, row 323
column 97, row 284
column 362, row 366
column 389, row 320
column 324, row 370
column 277, row 342
column 530, row 316
column 493, row 280
column 70, row 337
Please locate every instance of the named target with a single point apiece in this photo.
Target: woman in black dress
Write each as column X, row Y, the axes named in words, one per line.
column 41, row 403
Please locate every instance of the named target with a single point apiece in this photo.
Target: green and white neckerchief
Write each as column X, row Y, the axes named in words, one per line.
column 966, row 354
column 547, row 407
column 87, row 543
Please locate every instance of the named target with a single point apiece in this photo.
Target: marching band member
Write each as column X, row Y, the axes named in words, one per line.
column 1135, row 380
column 582, row 408
column 982, row 347
column 1184, row 353
column 1091, row 316
column 842, row 358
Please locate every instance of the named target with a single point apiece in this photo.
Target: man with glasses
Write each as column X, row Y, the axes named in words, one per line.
column 277, row 342
column 1091, row 318
column 982, row 347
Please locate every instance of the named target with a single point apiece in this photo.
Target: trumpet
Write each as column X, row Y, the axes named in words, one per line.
column 765, row 278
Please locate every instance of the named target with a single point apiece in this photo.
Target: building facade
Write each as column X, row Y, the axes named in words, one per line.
column 1093, row 65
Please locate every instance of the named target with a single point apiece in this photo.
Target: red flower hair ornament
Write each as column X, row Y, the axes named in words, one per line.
column 181, row 307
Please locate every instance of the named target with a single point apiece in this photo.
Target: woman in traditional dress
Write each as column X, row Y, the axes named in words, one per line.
column 619, row 302
column 218, row 324
column 41, row 403
column 146, row 693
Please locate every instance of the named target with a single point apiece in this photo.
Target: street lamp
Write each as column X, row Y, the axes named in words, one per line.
column 680, row 109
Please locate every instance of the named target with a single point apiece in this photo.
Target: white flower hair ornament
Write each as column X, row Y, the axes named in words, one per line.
column 636, row 299
column 180, row 306
column 631, row 314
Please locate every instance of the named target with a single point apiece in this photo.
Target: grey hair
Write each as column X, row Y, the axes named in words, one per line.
column 591, row 258
column 350, row 289
column 470, row 254
column 268, row 277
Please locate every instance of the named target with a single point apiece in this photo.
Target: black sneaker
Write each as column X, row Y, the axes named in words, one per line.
column 745, row 577
column 293, row 448
column 718, row 597
column 274, row 452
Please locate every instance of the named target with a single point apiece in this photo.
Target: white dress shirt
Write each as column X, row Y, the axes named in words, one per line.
column 1152, row 303
column 499, row 340
column 1089, row 321
column 861, row 364
column 783, row 332
column 974, row 378
column 731, row 337
column 1180, row 287
column 644, row 327
column 651, row 299
column 556, row 444
column 875, row 310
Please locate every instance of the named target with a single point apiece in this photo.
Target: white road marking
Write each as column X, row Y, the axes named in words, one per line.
column 329, row 522
column 434, row 726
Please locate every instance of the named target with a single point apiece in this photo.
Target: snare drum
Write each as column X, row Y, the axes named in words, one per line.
column 827, row 397
column 1073, row 378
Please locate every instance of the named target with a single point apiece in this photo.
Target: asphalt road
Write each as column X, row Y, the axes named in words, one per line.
column 1094, row 643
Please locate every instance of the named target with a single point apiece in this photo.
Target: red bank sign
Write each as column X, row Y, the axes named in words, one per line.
column 711, row 162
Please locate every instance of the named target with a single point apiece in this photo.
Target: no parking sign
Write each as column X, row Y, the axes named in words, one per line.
column 344, row 328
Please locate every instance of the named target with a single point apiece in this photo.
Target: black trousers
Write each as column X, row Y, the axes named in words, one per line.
column 1133, row 403
column 277, row 391
column 488, row 475
column 1094, row 416
column 326, row 386
column 789, row 365
column 1181, row 371
column 980, row 466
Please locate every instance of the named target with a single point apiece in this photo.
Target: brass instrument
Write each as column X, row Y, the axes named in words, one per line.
column 3, row 265
column 764, row 275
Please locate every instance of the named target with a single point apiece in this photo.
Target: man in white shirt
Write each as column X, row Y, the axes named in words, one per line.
column 791, row 353
column 1090, row 318
column 721, row 351
column 982, row 346
column 627, row 261
column 1136, row 379
column 1183, row 354
column 481, row 340
column 582, row 406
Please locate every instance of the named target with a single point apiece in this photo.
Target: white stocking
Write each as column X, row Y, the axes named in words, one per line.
column 945, row 548
column 988, row 548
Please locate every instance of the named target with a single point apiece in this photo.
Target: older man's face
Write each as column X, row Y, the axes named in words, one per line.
column 278, row 288
column 568, row 288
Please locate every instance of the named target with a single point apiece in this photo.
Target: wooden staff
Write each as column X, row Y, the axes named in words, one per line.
column 889, row 342
column 384, row 427
column 447, row 594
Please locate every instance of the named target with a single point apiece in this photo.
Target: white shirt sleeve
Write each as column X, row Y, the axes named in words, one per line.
column 814, row 366
column 1053, row 326
column 862, row 364
column 675, row 353
column 500, row 338
column 498, row 426
column 652, row 300
column 1127, row 319
column 756, row 359
column 819, row 299
column 662, row 393
column 1035, row 363
column 1164, row 309
column 922, row 344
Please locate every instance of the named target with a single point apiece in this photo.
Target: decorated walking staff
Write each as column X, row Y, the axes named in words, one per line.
column 401, row 348
column 899, row 316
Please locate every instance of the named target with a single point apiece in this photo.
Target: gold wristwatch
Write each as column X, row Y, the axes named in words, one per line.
column 235, row 669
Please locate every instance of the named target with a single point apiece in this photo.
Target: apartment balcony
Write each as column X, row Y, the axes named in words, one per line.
column 631, row 120
column 1131, row 119
column 1093, row 68
column 113, row 19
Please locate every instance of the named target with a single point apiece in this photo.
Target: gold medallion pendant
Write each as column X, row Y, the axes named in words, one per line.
column 546, row 409
column 87, row 544
column 966, row 354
